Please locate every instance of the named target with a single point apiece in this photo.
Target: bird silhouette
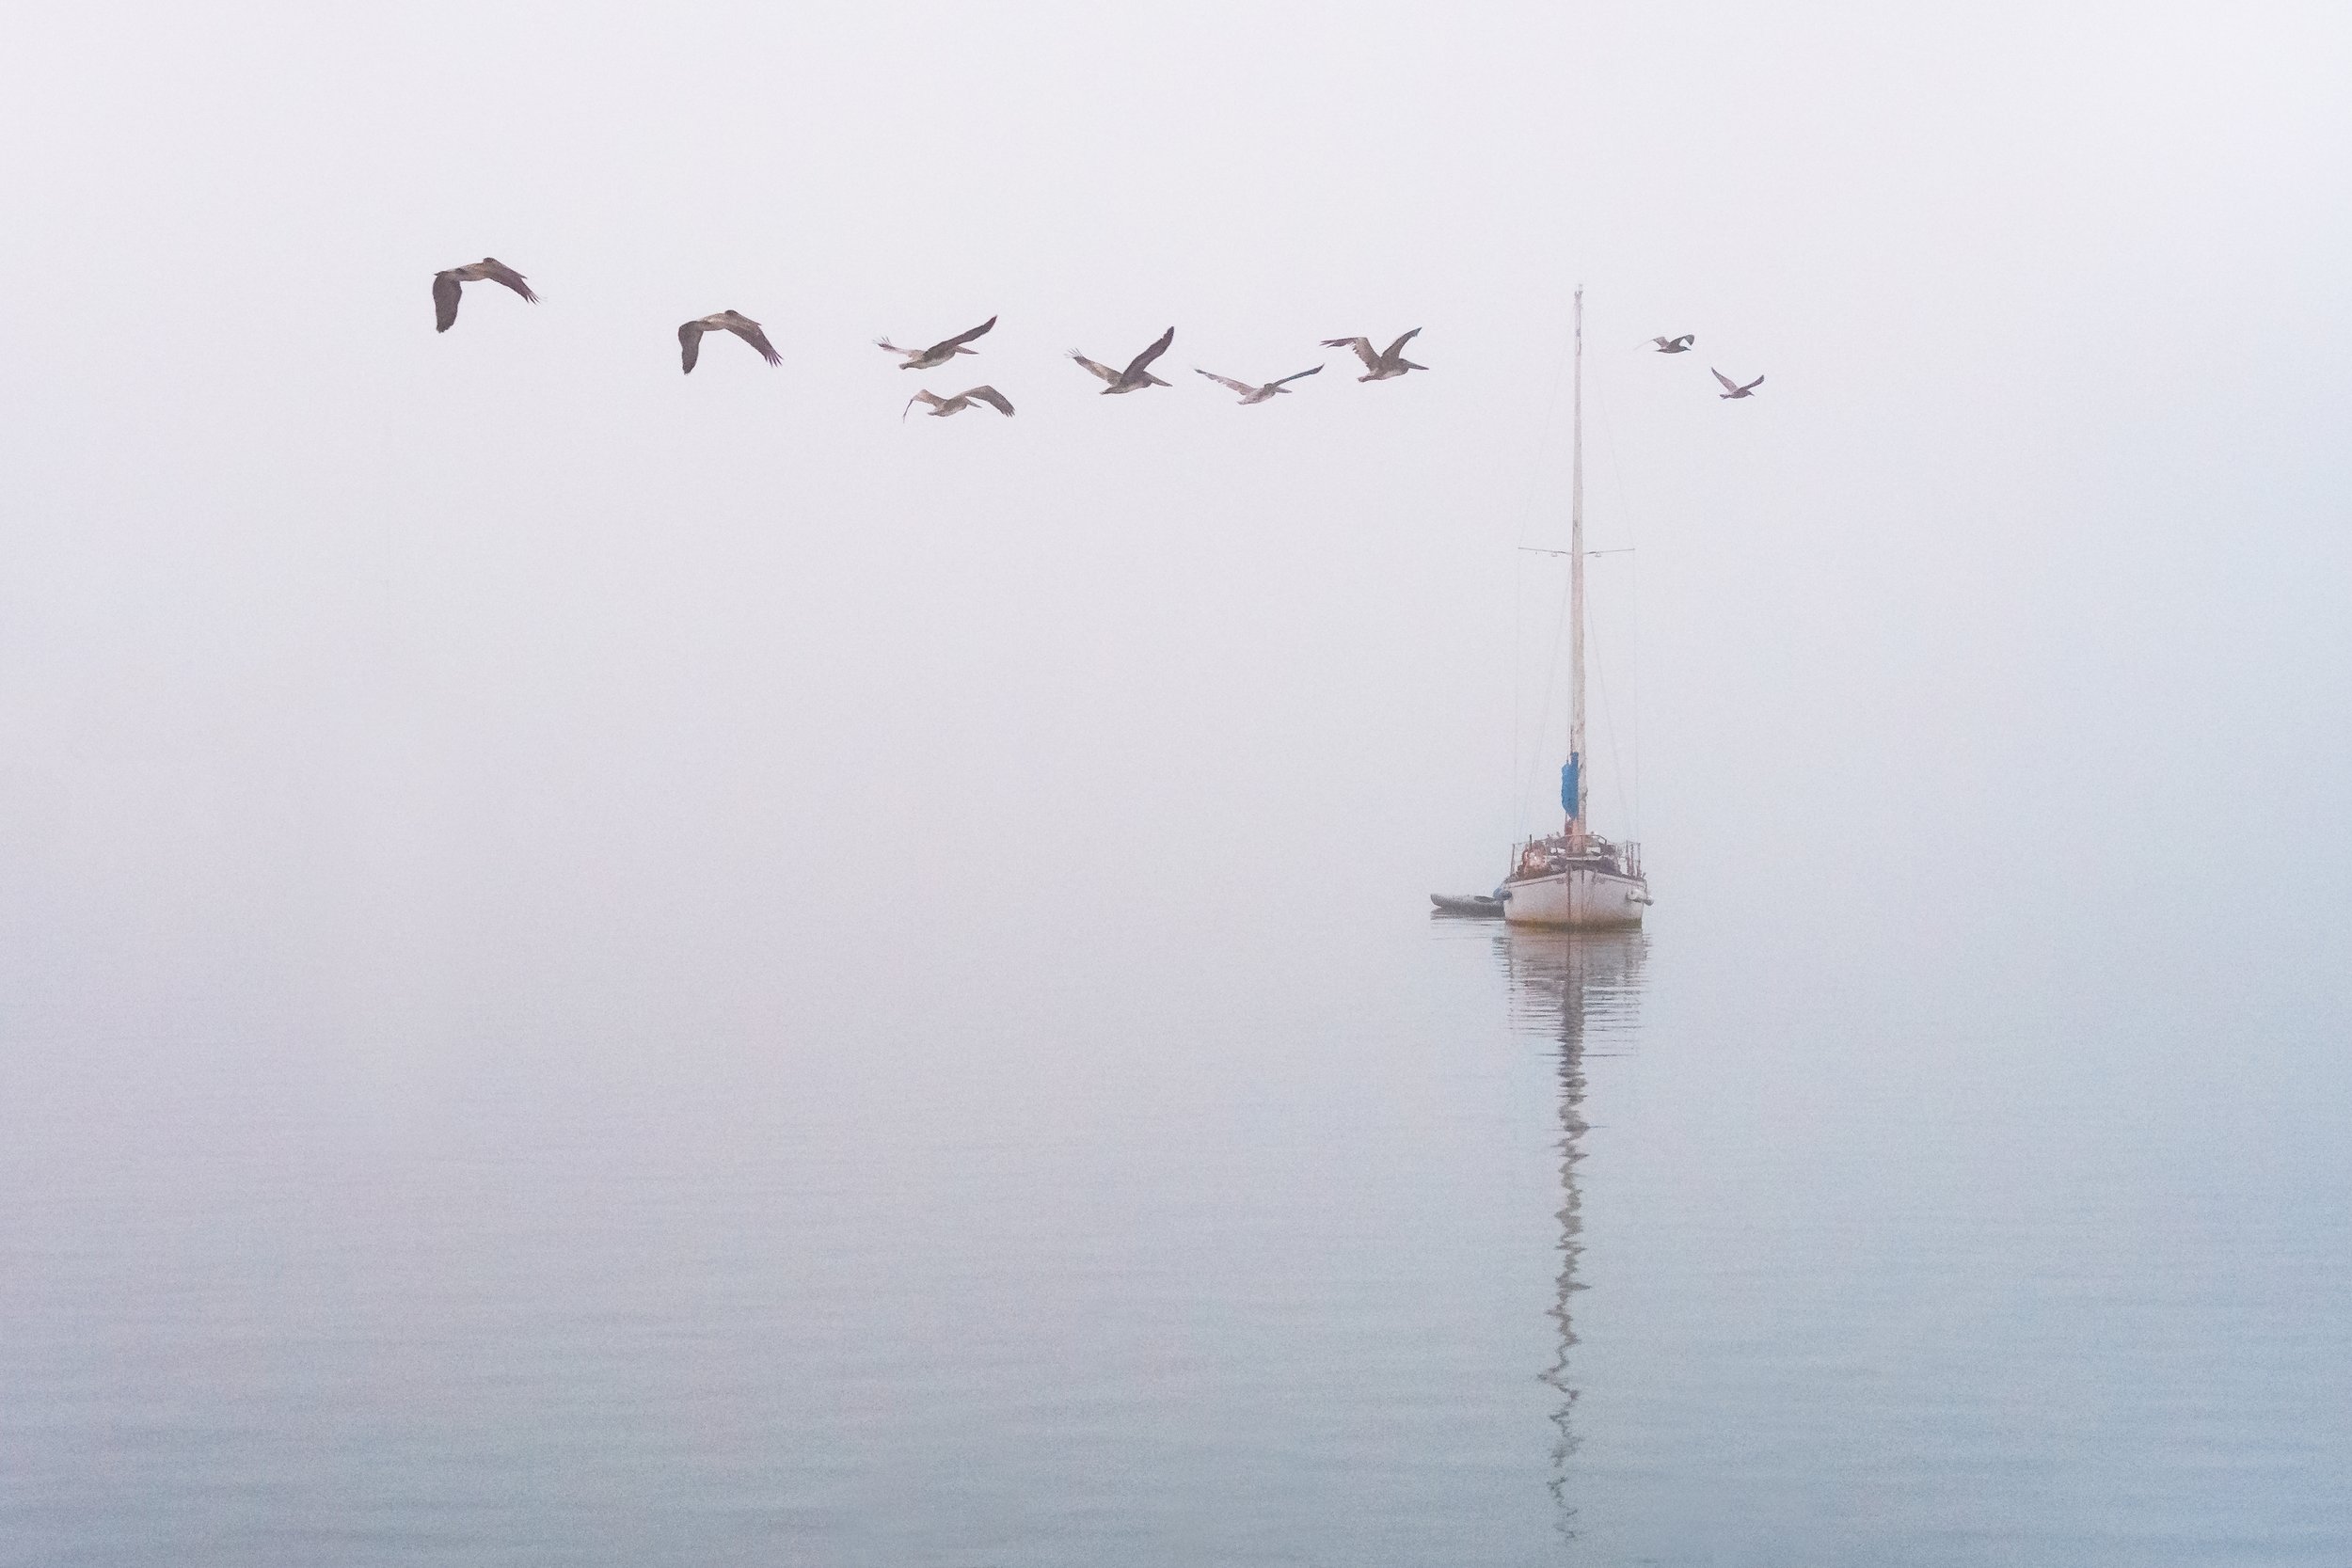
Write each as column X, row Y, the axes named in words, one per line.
column 1137, row 374
column 1250, row 395
column 447, row 285
column 1389, row 362
column 690, row 337
column 939, row 353
column 1732, row 388
column 942, row 407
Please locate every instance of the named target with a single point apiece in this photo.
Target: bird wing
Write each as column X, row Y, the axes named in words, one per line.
column 990, row 396
column 1686, row 339
column 690, row 343
column 1242, row 387
column 1752, row 384
column 748, row 329
column 885, row 342
column 932, row 397
column 445, row 291
column 963, row 337
column 1390, row 353
column 1300, row 376
column 499, row 272
column 1103, row 370
column 1159, row 346
column 1362, row 347
column 1729, row 384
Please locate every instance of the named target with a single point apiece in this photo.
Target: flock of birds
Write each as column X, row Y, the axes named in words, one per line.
column 1379, row 364
column 1731, row 387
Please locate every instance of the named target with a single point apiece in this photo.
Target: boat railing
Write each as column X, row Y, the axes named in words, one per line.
column 1538, row 857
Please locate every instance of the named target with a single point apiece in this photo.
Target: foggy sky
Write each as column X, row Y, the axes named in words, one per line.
column 341, row 662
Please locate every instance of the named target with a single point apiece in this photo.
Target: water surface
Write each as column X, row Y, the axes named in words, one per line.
column 1224, row 1236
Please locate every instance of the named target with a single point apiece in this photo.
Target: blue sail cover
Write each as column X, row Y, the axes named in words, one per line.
column 1569, row 791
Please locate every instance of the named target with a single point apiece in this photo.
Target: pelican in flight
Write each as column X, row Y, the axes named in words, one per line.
column 942, row 407
column 1676, row 346
column 1255, row 394
column 446, row 286
column 690, row 337
column 939, row 353
column 1137, row 374
column 1732, row 388
column 1389, row 362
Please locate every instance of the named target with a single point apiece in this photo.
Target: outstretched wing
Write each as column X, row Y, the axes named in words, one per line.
column 1392, row 350
column 1362, row 347
column 990, row 396
column 1300, row 376
column 1136, row 366
column 1752, row 384
column 749, row 331
column 932, row 397
column 963, row 337
column 690, row 343
column 885, row 342
column 1103, row 370
column 1686, row 341
column 445, row 291
column 1729, row 384
column 499, row 272
column 1242, row 387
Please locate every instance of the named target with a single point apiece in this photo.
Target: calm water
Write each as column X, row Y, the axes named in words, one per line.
column 1229, row 1238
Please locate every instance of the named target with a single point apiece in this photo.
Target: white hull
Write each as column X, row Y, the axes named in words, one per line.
column 1580, row 896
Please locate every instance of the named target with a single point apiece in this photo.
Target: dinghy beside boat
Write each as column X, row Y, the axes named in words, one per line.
column 1469, row 906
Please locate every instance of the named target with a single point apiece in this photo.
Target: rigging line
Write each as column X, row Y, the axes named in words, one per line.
column 1624, row 510
column 1635, row 700
column 1521, row 766
column 1551, row 679
column 1518, row 684
column 1609, row 720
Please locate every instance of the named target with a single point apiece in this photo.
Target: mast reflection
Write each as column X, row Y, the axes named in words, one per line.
column 1580, row 992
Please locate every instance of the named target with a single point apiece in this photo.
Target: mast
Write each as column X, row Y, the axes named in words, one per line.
column 1572, row 777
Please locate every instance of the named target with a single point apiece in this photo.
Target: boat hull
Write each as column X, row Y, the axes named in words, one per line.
column 1579, row 897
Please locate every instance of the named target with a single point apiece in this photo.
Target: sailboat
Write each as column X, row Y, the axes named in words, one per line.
column 1573, row 878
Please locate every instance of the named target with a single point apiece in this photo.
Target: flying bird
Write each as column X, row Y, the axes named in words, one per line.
column 1676, row 346
column 1137, row 374
column 1732, row 388
column 939, row 353
column 690, row 337
column 1255, row 394
column 446, row 286
column 1388, row 363
column 942, row 407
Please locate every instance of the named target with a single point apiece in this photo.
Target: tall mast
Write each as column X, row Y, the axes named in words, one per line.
column 1572, row 784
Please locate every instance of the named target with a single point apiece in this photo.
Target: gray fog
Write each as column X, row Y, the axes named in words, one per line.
column 420, row 751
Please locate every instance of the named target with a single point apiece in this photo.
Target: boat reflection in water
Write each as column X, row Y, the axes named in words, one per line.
column 1580, row 993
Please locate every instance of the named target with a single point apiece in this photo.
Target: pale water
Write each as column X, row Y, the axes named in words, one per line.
column 1231, row 1237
